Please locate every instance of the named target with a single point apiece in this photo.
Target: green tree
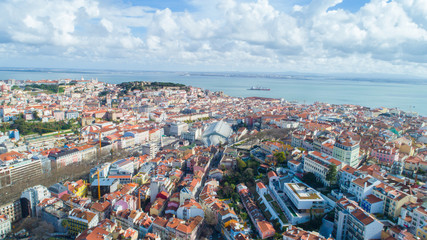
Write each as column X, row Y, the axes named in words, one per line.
column 311, row 179
column 241, row 164
column 36, row 116
column 331, row 176
column 280, row 157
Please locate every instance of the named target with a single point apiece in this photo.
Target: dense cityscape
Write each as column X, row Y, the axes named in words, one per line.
column 82, row 159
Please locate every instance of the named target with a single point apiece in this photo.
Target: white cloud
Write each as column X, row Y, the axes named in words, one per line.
column 383, row 36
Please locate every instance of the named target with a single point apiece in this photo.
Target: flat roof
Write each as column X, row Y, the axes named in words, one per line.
column 104, row 181
column 304, row 192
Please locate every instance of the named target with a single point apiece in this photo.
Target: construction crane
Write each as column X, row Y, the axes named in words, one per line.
column 59, row 129
column 99, row 183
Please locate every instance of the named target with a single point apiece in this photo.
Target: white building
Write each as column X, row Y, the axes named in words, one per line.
column 346, row 175
column 319, row 164
column 362, row 187
column 31, row 197
column 304, row 197
column 177, row 128
column 150, row 149
column 352, row 222
column 298, row 201
column 189, row 209
column 216, row 133
column 159, row 184
column 5, row 226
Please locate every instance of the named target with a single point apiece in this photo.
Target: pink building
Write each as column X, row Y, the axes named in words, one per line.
column 386, row 154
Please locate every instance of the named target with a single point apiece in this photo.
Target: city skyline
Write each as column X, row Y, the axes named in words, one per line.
column 328, row 36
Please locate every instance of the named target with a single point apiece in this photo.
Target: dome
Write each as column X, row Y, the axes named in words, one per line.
column 91, row 128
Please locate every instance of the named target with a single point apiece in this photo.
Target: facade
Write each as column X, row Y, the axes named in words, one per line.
column 65, row 157
column 177, row 128
column 386, row 154
column 12, row 210
column 107, row 185
column 177, row 228
column 20, row 170
column 79, row 220
column 150, row 149
column 30, row 197
column 352, row 222
column 191, row 208
column 362, row 187
column 372, row 204
column 5, row 226
column 319, row 164
column 71, row 114
column 346, row 149
column 393, row 199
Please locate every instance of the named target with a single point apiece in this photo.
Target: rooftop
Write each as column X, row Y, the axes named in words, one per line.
column 303, row 192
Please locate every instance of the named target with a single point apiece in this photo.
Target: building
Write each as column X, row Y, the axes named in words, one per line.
column 5, row 226
column 15, row 171
column 352, row 222
column 319, row 164
column 78, row 188
column 386, row 154
column 107, row 185
column 372, row 204
column 346, row 149
column 177, row 128
column 150, row 149
column 134, row 219
column 79, row 220
column 216, row 133
column 304, row 198
column 31, row 197
column 362, row 187
column 12, row 210
column 296, row 233
column 414, row 218
column 57, row 190
column 393, row 199
column 70, row 114
column 54, row 214
column 159, row 184
column 179, row 229
column 264, row 228
column 65, row 157
column 346, row 175
column 191, row 208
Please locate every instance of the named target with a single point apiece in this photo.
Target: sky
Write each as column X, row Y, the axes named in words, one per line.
column 319, row 36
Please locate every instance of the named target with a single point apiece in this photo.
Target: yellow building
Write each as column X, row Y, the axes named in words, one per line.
column 422, row 232
column 79, row 220
column 393, row 199
column 78, row 188
column 412, row 163
column 406, row 149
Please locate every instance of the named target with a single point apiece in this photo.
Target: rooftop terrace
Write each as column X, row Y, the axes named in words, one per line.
column 303, row 192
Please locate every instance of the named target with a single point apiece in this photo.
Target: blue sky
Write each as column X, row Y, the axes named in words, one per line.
column 324, row 36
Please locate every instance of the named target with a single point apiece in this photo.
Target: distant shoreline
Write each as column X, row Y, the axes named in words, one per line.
column 407, row 95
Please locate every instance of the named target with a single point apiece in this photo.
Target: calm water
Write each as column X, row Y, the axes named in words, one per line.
column 404, row 94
